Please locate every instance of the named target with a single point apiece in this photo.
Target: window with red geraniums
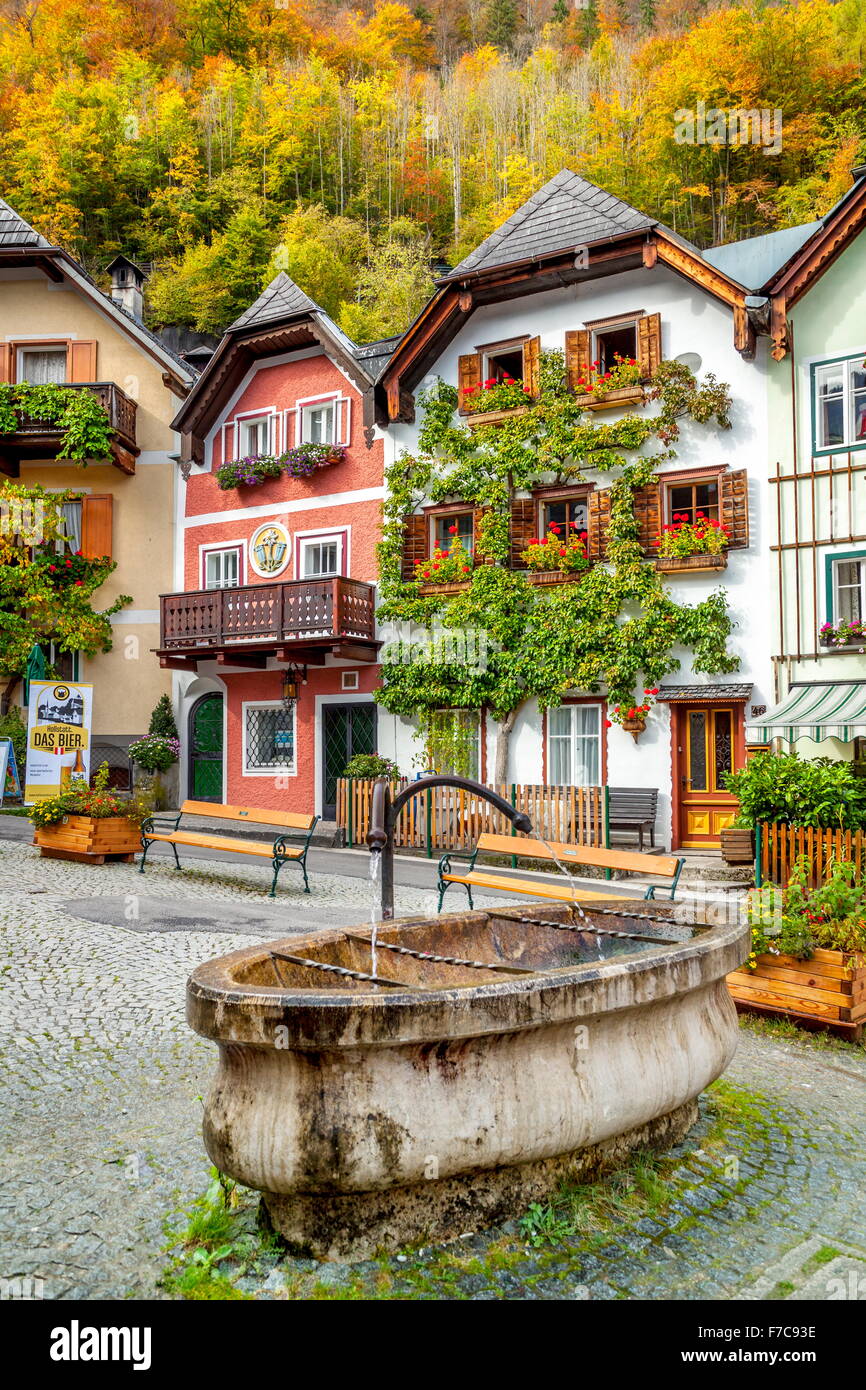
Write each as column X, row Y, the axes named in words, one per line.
column 495, row 394
column 703, row 536
column 448, row 564
column 636, row 713
column 692, row 498
column 451, row 526
column 557, row 551
column 601, row 378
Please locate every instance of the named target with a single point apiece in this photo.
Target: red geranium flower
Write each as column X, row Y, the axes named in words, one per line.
column 452, row 530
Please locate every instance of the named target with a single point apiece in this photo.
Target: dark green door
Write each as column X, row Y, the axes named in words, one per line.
column 346, row 730
column 206, row 749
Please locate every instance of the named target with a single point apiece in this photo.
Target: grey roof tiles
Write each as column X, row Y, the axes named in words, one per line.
column 14, row 231
column 280, row 300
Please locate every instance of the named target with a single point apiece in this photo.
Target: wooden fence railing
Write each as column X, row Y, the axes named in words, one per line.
column 449, row 818
column 780, row 846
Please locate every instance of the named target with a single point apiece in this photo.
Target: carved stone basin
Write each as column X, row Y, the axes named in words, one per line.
column 453, row 1093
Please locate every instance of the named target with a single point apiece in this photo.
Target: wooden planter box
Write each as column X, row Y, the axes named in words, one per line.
column 495, row 417
column 826, row 991
column 691, row 564
column 738, row 846
column 618, row 398
column 456, row 586
column 88, row 840
column 545, row 577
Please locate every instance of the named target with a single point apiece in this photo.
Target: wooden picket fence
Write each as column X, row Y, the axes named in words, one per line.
column 782, row 845
column 450, row 818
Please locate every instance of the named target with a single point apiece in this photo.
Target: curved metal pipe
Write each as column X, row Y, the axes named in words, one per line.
column 384, row 812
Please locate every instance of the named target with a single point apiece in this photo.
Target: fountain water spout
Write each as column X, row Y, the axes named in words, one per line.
column 385, row 810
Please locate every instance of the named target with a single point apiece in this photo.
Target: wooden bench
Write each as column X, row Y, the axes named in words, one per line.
column 633, row 808
column 168, row 832
column 665, row 867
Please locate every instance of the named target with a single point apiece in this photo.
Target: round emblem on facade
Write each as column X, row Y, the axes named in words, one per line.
column 270, row 549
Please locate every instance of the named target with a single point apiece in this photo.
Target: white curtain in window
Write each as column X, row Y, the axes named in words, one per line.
column 574, row 746
column 40, row 367
column 71, row 513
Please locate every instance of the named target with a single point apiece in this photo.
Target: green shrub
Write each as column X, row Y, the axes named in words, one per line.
column 162, row 719
column 799, row 791
column 796, row 920
column 13, row 726
column 370, row 765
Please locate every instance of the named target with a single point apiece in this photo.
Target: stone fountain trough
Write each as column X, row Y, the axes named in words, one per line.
column 452, row 1093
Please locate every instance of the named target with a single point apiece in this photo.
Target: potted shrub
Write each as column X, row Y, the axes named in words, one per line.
column 808, row 956
column 155, row 754
column 696, row 545
column 447, row 571
column 89, row 824
column 556, row 558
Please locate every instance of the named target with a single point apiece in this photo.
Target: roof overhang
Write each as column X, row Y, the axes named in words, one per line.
column 461, row 293
column 706, row 694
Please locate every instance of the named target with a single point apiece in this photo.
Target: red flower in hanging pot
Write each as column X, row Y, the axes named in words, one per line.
column 608, row 723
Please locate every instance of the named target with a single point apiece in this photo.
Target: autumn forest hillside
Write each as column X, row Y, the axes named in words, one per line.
column 360, row 148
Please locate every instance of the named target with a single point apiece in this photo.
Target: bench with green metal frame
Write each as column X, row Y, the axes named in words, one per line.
column 663, row 866
column 167, row 830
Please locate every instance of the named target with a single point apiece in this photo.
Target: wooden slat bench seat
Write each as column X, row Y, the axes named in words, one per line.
column 665, row 867
column 633, row 808
column 168, row 830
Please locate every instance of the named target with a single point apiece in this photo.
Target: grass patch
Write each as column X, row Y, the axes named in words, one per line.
column 220, row 1243
column 786, row 1030
column 15, row 811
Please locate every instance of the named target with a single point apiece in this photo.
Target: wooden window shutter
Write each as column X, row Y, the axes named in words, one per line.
column 5, row 361
column 734, row 491
column 82, row 360
column 96, row 528
column 468, row 374
column 478, row 515
column 524, row 527
column 414, row 544
column 649, row 343
column 532, row 365
column 648, row 515
column 577, row 357
column 599, row 521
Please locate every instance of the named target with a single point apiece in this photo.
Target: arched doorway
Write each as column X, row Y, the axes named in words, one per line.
column 206, row 748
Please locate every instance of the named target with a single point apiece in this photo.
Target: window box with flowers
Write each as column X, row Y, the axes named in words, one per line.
column 556, row 558
column 447, row 571
column 692, row 546
column 850, row 634
column 618, row 386
column 300, row 462
column 495, row 400
column 632, row 718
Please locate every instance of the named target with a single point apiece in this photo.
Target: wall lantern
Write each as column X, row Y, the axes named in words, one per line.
column 293, row 678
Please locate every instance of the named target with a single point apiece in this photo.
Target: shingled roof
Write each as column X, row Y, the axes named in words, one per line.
column 566, row 212
column 280, row 300
column 14, row 231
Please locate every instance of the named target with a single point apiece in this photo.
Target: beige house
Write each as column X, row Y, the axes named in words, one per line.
column 57, row 326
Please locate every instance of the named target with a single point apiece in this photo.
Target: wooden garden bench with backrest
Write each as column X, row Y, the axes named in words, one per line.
column 633, row 808
column 168, row 831
column 665, row 867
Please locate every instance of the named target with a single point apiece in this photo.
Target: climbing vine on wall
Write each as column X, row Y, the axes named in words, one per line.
column 617, row 628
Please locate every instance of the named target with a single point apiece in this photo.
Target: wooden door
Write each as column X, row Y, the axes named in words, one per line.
column 708, row 743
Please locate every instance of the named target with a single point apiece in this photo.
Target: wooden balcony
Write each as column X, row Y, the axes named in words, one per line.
column 299, row 620
column 40, row 439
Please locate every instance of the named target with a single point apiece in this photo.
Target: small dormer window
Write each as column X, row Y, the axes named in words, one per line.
column 618, row 340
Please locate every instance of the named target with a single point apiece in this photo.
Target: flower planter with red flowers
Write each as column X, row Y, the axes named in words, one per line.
column 493, row 401
column 620, row 386
column 447, row 571
column 632, row 718
column 88, row 840
column 693, row 547
column 557, row 558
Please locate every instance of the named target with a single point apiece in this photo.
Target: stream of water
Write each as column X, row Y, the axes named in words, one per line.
column 375, row 907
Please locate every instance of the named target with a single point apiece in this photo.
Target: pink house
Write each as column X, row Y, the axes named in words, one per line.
column 273, row 633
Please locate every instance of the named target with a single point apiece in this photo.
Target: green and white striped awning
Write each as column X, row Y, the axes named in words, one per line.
column 817, row 710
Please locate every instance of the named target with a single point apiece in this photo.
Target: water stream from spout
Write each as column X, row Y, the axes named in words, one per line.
column 375, row 907
column 573, row 885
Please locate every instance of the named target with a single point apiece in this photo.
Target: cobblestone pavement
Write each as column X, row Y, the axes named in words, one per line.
column 101, row 1080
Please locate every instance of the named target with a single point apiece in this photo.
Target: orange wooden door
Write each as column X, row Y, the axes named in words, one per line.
column 709, row 744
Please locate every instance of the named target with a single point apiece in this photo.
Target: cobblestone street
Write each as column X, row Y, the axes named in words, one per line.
column 101, row 1147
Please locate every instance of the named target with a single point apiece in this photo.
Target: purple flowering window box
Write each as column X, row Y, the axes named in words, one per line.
column 300, row 462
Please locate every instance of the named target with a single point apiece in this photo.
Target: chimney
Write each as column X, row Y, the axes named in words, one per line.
column 127, row 281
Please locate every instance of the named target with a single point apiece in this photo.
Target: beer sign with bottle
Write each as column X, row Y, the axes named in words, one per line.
column 58, row 738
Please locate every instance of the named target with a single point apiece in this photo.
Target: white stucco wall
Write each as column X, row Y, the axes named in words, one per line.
column 692, row 322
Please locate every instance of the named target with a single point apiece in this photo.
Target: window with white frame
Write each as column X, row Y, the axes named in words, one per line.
column 612, row 341
column 574, row 746
column 839, row 403
column 254, row 435
column 849, row 589
column 42, row 365
column 319, row 422
column 222, row 568
column 269, row 738
column 503, row 362
column 321, row 557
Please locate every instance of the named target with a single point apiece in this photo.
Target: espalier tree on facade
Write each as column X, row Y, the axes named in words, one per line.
column 615, row 630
